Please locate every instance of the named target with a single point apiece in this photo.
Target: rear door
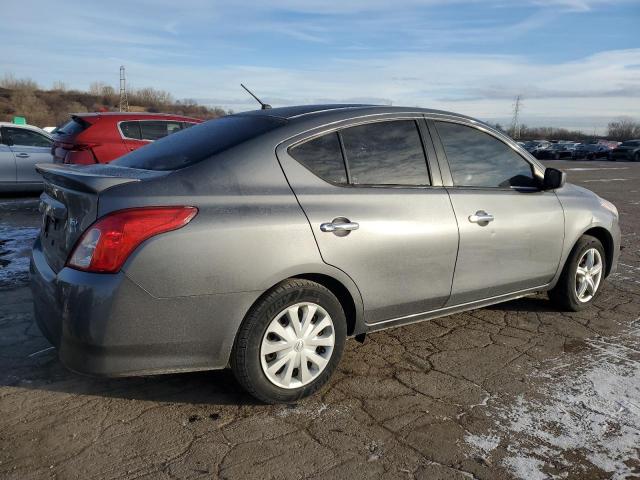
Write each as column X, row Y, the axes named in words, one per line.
column 378, row 211
column 29, row 147
column 511, row 232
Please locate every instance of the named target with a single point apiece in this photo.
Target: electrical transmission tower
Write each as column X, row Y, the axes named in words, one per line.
column 124, row 103
column 515, row 122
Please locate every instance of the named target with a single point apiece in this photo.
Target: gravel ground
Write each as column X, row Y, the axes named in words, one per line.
column 517, row 390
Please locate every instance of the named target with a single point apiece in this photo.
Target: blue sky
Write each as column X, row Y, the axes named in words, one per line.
column 575, row 62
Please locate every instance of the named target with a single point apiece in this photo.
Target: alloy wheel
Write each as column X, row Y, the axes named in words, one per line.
column 588, row 275
column 297, row 345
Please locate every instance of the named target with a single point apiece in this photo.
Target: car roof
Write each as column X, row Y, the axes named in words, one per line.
column 316, row 111
column 26, row 127
column 132, row 115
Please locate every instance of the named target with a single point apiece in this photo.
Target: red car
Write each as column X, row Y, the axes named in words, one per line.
column 102, row 137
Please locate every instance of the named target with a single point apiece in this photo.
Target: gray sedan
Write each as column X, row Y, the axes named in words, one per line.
column 262, row 240
column 21, row 148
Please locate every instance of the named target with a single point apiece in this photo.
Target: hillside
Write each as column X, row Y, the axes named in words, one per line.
column 45, row 108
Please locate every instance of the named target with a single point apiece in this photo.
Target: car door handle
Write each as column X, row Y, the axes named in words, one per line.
column 22, row 155
column 339, row 227
column 481, row 217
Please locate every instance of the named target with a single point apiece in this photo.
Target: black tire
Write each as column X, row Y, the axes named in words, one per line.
column 245, row 357
column 636, row 157
column 564, row 293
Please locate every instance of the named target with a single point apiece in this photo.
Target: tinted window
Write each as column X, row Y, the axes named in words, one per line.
column 154, row 130
column 323, row 157
column 73, row 127
column 385, row 153
column 198, row 143
column 24, row 137
column 477, row 159
column 130, row 130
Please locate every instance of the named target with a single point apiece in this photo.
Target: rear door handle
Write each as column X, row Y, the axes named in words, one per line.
column 339, row 227
column 481, row 217
column 22, row 155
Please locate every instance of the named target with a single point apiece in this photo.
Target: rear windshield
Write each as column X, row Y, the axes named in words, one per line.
column 199, row 142
column 72, row 127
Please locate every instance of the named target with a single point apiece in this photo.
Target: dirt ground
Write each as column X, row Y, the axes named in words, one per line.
column 517, row 390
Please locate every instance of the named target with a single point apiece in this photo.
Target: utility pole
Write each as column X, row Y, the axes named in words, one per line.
column 124, row 102
column 515, row 122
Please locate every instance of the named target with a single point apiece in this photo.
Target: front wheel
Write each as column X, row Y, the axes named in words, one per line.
column 290, row 343
column 636, row 157
column 582, row 276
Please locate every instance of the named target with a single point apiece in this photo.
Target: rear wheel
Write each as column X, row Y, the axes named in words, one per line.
column 582, row 276
column 636, row 157
column 290, row 342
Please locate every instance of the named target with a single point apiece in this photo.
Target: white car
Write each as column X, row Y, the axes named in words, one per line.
column 21, row 147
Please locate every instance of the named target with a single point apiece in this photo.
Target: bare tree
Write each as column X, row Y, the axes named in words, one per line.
column 623, row 128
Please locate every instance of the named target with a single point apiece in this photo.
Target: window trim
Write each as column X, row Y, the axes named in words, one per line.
column 122, row 135
column 417, row 120
column 4, row 127
column 536, row 169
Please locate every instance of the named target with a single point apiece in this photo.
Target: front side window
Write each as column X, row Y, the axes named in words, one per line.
column 322, row 156
column 23, row 137
column 477, row 159
column 385, row 153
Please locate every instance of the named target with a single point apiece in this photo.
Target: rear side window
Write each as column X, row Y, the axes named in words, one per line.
column 130, row 130
column 24, row 138
column 197, row 143
column 477, row 159
column 154, row 130
column 385, row 153
column 323, row 157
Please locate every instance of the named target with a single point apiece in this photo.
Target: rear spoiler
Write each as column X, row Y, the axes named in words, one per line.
column 93, row 178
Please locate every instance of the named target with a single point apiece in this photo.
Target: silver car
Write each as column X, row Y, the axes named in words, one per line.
column 21, row 148
column 262, row 240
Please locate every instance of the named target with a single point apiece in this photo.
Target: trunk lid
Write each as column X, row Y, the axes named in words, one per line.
column 69, row 203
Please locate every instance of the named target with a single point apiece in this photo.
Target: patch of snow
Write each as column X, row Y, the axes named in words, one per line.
column 482, row 443
column 15, row 248
column 590, row 409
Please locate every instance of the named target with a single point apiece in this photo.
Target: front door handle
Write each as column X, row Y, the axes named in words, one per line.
column 22, row 155
column 340, row 226
column 481, row 217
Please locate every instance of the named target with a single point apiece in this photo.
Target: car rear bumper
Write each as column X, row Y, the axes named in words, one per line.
column 106, row 325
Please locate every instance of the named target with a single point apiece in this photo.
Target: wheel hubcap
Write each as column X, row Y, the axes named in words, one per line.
column 588, row 275
column 297, row 345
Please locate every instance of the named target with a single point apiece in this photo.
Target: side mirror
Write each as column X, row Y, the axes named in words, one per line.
column 553, row 178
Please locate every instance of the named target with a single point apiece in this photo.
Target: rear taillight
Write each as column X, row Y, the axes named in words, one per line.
column 107, row 244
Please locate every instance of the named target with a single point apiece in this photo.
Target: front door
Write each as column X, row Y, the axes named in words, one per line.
column 511, row 232
column 376, row 214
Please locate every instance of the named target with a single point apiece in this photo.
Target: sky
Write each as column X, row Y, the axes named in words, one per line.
column 576, row 63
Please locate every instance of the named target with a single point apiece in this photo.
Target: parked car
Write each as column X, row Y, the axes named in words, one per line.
column 535, row 147
column 90, row 138
column 629, row 150
column 591, row 151
column 263, row 240
column 21, row 147
column 556, row 151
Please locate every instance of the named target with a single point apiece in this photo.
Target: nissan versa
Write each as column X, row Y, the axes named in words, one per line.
column 262, row 240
